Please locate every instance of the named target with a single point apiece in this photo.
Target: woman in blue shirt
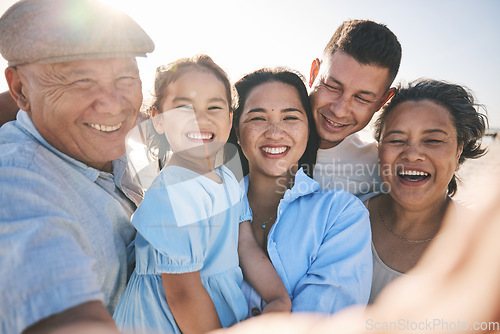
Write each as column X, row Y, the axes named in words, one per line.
column 318, row 241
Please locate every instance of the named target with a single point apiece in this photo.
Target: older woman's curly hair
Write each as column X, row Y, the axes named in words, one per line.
column 469, row 122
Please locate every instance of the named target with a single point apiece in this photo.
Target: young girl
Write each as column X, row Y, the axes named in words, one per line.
column 187, row 277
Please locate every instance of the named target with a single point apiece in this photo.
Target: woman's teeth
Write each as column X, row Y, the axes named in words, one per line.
column 413, row 173
column 105, row 128
column 275, row 150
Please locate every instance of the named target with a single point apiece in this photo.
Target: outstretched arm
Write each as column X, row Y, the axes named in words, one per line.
column 437, row 292
column 190, row 303
column 260, row 273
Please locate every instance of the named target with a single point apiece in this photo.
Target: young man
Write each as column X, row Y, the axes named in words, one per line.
column 349, row 84
column 66, row 195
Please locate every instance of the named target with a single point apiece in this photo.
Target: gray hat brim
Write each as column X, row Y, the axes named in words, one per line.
column 50, row 31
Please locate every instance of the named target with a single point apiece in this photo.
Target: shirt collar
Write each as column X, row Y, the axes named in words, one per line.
column 302, row 186
column 26, row 124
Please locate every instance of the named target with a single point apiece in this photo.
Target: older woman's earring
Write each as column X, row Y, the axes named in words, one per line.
column 238, row 142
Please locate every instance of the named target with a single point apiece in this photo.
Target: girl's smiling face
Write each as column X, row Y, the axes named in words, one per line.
column 195, row 116
column 418, row 152
column 273, row 129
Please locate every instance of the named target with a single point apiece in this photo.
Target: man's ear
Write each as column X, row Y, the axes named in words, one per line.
column 16, row 88
column 314, row 71
column 390, row 93
column 157, row 119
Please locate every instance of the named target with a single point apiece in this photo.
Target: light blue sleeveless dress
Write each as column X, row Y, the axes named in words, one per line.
column 185, row 223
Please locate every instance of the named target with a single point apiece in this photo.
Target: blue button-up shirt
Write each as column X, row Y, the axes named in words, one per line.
column 320, row 247
column 65, row 229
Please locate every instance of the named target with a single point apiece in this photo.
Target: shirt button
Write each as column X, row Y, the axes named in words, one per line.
column 255, row 312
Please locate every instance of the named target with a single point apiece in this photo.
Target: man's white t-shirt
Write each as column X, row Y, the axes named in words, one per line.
column 352, row 166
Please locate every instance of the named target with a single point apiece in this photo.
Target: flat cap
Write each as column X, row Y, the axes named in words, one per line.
column 50, row 31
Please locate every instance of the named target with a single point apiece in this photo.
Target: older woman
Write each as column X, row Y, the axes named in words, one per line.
column 424, row 134
column 318, row 241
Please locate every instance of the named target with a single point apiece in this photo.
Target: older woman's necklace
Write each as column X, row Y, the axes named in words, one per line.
column 412, row 241
column 264, row 224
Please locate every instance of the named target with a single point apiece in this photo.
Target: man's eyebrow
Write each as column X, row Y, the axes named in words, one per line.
column 66, row 69
column 364, row 92
column 367, row 92
column 74, row 71
column 330, row 78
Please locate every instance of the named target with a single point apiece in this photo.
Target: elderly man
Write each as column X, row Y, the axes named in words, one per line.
column 66, row 197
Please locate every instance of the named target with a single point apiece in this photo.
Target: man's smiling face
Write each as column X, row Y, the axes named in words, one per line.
column 84, row 108
column 345, row 95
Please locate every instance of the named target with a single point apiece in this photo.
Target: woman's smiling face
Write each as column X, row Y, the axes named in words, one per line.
column 273, row 129
column 418, row 152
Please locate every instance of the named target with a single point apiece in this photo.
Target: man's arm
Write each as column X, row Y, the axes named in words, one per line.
column 44, row 270
column 8, row 108
column 90, row 317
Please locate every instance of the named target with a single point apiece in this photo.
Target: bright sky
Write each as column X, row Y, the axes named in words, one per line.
column 453, row 40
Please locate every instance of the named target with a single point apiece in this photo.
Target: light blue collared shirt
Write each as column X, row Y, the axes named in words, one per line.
column 65, row 229
column 320, row 247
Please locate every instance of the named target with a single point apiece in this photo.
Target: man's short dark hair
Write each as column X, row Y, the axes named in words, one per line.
column 368, row 42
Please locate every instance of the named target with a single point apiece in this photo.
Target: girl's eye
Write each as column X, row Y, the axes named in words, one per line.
column 214, row 108
column 290, row 118
column 257, row 119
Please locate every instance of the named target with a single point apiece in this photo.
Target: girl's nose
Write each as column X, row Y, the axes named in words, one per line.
column 202, row 117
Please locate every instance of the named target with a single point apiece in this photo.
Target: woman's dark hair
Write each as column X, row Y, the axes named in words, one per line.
column 469, row 123
column 166, row 75
column 286, row 76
